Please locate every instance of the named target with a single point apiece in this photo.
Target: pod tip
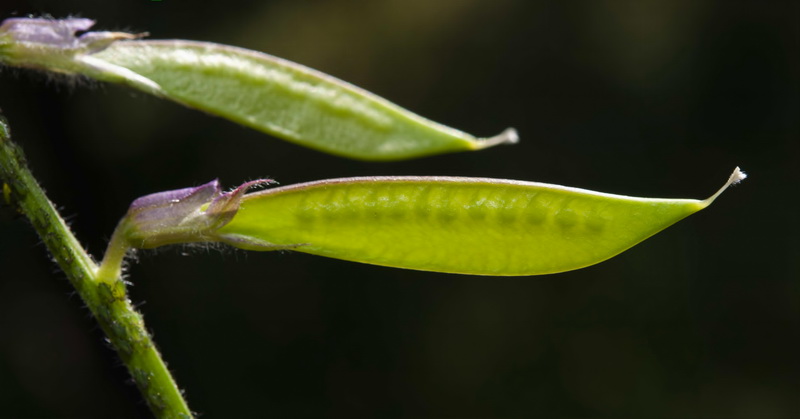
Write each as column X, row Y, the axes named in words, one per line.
column 508, row 136
column 737, row 176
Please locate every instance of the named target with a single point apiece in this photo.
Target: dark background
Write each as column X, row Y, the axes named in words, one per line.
column 654, row 98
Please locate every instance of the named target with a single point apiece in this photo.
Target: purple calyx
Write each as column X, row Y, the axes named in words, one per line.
column 60, row 33
column 183, row 215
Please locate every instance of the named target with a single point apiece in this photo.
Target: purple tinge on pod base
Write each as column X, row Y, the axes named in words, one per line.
column 183, row 215
column 29, row 34
column 60, row 33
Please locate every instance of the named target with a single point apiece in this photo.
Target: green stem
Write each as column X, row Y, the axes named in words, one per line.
column 102, row 290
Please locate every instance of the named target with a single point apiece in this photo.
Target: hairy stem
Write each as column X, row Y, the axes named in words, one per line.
column 103, row 291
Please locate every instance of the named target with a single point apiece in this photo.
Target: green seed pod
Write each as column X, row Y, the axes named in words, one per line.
column 455, row 225
column 289, row 100
column 270, row 94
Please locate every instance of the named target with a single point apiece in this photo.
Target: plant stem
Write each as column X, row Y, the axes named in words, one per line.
column 103, row 292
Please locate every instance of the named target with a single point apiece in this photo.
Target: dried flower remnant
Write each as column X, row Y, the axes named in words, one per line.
column 52, row 44
column 188, row 215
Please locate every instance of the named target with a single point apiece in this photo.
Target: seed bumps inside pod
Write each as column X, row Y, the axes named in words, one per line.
column 456, row 225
